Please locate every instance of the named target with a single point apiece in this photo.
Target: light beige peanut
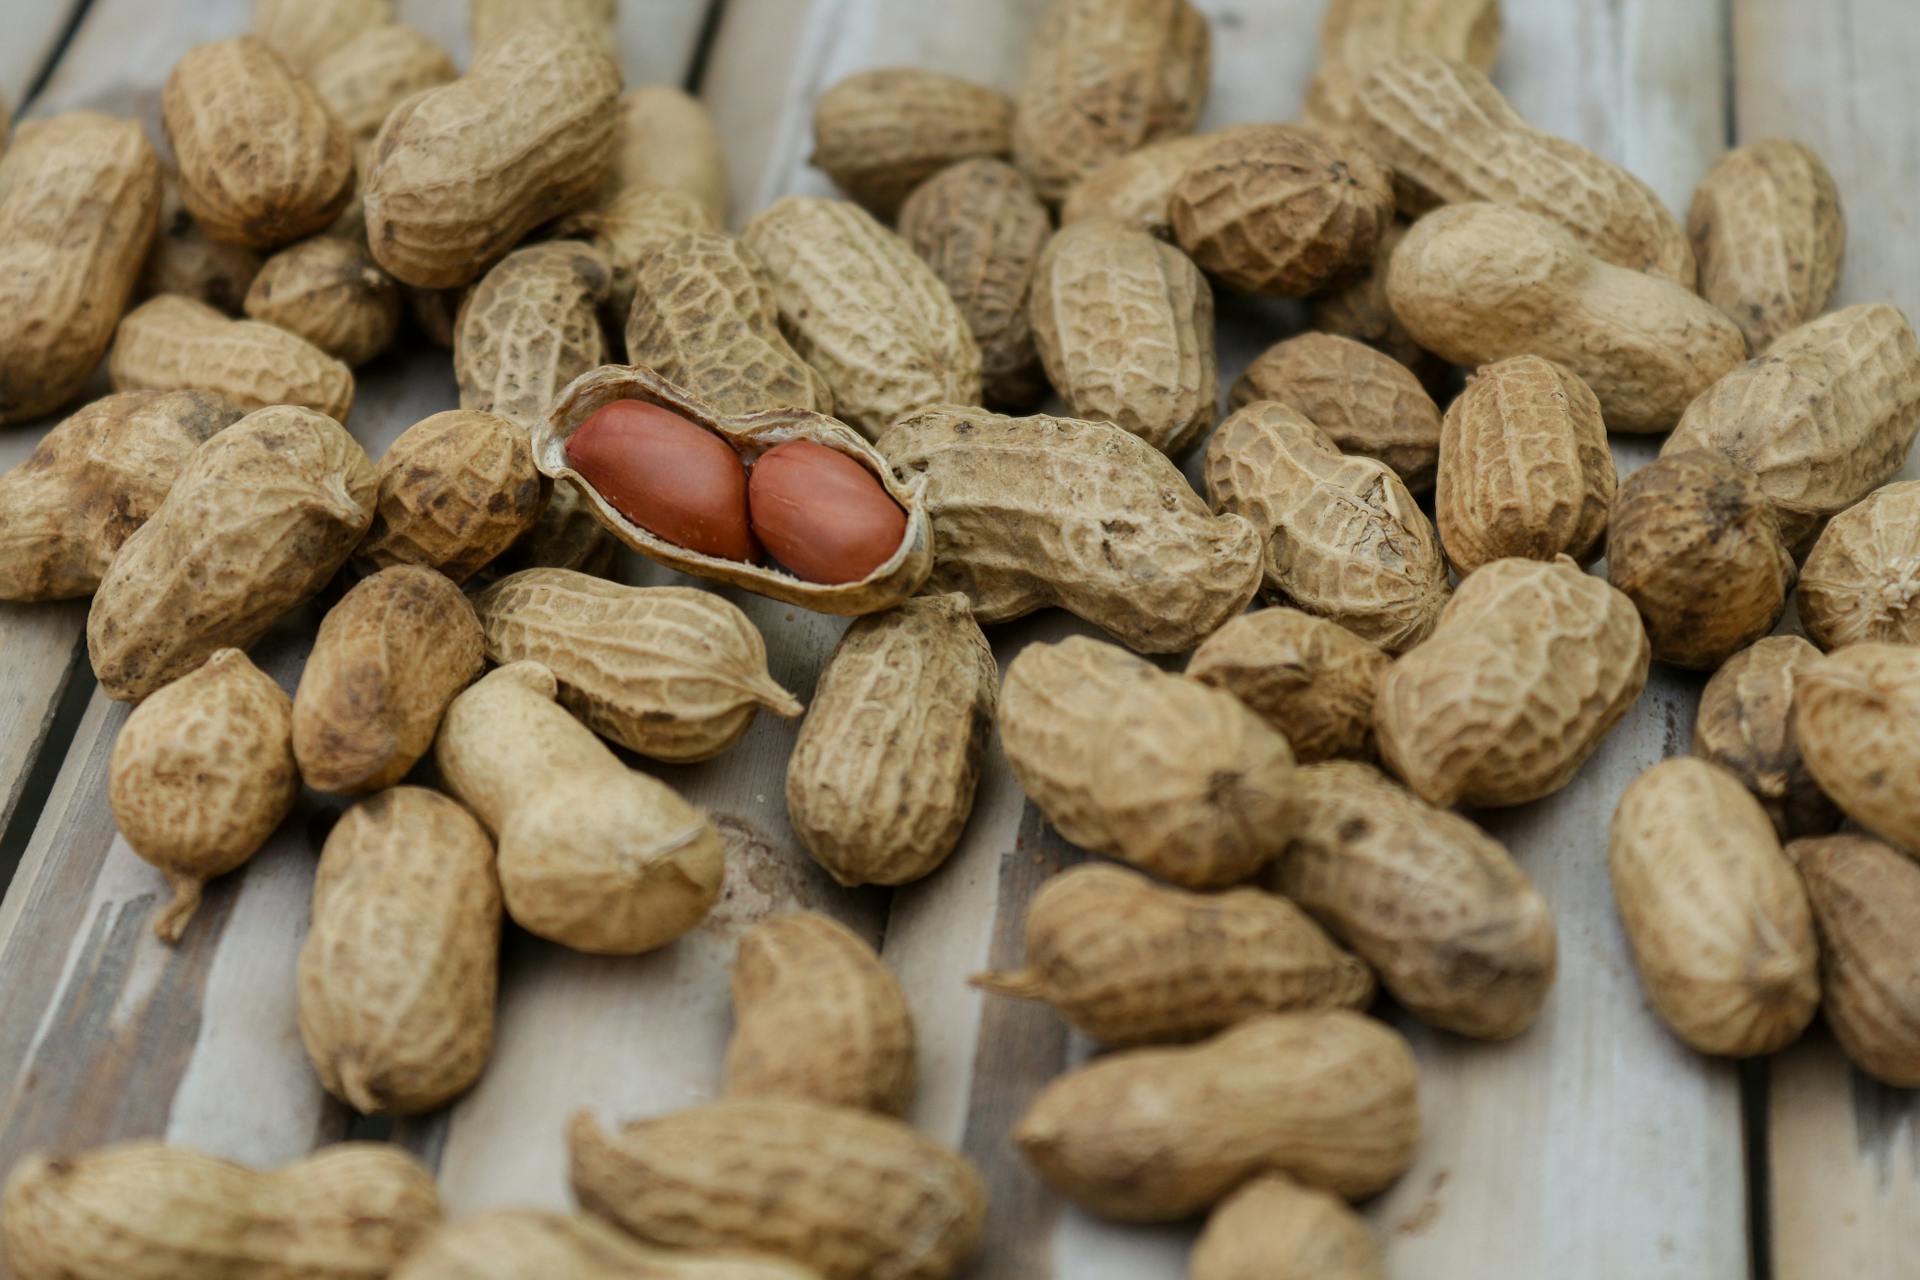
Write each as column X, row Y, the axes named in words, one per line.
column 304, row 32
column 632, row 230
column 592, row 855
column 1441, row 911
column 1160, row 771
column 1364, row 400
column 1311, row 679
column 146, row 1209
column 1358, row 35
column 1127, row 961
column 666, row 140
column 513, row 1244
column 530, row 327
column 1745, row 725
column 566, row 536
column 1154, row 1135
column 459, row 174
column 881, row 778
column 1476, row 283
column 184, row 260
column 330, row 292
column 1136, row 187
column 79, row 202
column 1275, row 1229
column 388, row 659
column 1769, row 236
column 93, row 480
column 1530, row 666
column 1524, row 467
column 851, row 1195
column 455, row 491
column 201, row 774
column 1102, row 78
column 1358, row 308
column 1862, row 579
column 1856, row 714
column 398, row 970
column 173, row 342
column 817, row 1017
column 1719, row 923
column 1084, row 515
column 1866, row 908
column 1124, row 324
column 1345, row 540
column 863, row 309
column 365, row 78
column 492, row 21
column 259, row 519
column 879, row 134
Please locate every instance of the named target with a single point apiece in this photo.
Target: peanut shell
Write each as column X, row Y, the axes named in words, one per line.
column 184, row 260
column 490, row 22
column 1358, row 308
column 513, row 1244
column 1856, row 714
column 330, row 292
column 1358, row 35
column 364, row 79
column 1862, row 579
column 529, row 328
column 1311, row 679
column 172, row 342
column 632, row 229
column 456, row 490
column 1136, row 187
column 568, row 535
column 1769, row 235
column 665, row 139
column 1866, row 908
column 304, row 32
column 1275, row 1229
column 879, row 134
column 1745, row 725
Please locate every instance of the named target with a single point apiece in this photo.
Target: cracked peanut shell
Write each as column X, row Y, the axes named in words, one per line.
column 1856, row 714
column 1311, row 679
column 1862, row 578
column 455, row 491
column 1275, row 1229
column 879, row 134
column 1745, row 725
column 1866, row 909
column 172, row 342
column 514, row 1244
column 529, row 327
column 1358, row 35
column 330, row 292
column 1769, row 235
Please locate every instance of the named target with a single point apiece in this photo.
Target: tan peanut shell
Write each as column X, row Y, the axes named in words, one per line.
column 397, row 973
column 238, row 98
column 817, row 1017
column 592, row 855
column 200, row 776
column 1866, row 908
column 364, row 79
column 670, row 672
column 1358, row 35
column 514, row 1244
column 1769, row 236
column 1719, row 923
column 1128, row 961
column 1840, row 400
column 433, row 312
column 703, row 317
column 1856, row 714
column 459, row 174
column 1157, row 770
column 1530, row 666
column 144, row 1209
column 1281, row 210
column 1136, row 187
column 982, row 229
column 863, row 309
column 881, row 778
column 1364, row 400
column 1124, row 324
column 851, row 1195
column 1745, row 725
column 1525, row 469
column 1344, row 538
column 1441, row 911
column 1084, row 515
column 456, row 490
column 879, row 134
column 1154, row 1135
column 529, row 327
column 666, row 139
column 1862, row 579
column 93, row 480
column 1693, row 542
column 184, row 260
column 173, row 342
column 1102, row 78
column 492, row 21
column 1358, row 308
column 1275, row 1229
column 79, row 202
column 568, row 535
column 330, row 292
column 257, row 522
column 1450, row 137
column 389, row 658
column 304, row 32
column 1311, row 679
column 631, row 230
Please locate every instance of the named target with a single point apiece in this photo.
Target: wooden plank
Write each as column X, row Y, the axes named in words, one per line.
column 33, row 37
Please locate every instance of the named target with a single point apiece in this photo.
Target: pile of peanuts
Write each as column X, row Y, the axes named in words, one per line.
column 799, row 411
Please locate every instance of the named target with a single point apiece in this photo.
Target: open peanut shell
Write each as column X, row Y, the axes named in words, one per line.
column 751, row 435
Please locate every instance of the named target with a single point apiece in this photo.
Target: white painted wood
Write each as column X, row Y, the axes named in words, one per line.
column 33, row 32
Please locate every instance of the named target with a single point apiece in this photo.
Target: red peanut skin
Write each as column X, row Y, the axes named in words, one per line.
column 668, row 475
column 821, row 514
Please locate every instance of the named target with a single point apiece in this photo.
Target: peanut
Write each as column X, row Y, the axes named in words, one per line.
column 881, row 778
column 791, row 490
column 1769, row 235
column 79, row 201
column 1718, row 921
column 433, row 312
column 1154, row 1135
column 1128, row 962
column 200, row 776
column 1451, row 924
column 666, row 140
column 1530, row 666
column 1102, row 78
column 1862, row 579
column 397, row 974
column 1856, row 713
column 514, row 1244
column 1275, row 1229
column 1344, row 538
column 257, row 522
column 455, row 490
column 592, row 855
column 1745, row 725
column 1476, row 283
column 349, row 1212
column 93, row 480
column 879, row 134
column 1311, row 679
column 304, row 32
column 529, row 328
column 1124, row 324
column 1084, row 515
column 389, row 658
column 1136, row 187
column 172, row 342
column 632, row 230
column 1866, row 909
column 1162, row 772
column 568, row 535
column 853, row 1196
column 1358, row 308
column 1358, row 35
column 492, row 21
column 328, row 291
column 364, row 79
column 184, row 260
column 668, row 475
